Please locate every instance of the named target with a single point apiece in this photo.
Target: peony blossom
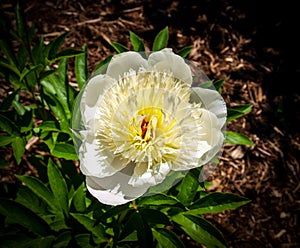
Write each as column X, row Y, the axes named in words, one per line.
column 142, row 120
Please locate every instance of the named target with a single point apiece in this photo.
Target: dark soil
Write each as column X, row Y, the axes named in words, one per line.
column 249, row 44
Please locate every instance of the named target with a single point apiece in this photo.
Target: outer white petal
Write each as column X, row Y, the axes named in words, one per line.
column 92, row 95
column 95, row 161
column 124, row 62
column 152, row 177
column 114, row 190
column 212, row 133
column 212, row 101
column 166, row 60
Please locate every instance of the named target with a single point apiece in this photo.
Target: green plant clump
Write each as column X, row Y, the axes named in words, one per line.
column 55, row 209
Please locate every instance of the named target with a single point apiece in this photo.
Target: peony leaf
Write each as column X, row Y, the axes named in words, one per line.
column 188, row 189
column 58, row 186
column 8, row 126
column 158, row 200
column 19, row 214
column 101, row 67
column 119, row 47
column 161, row 40
column 66, row 53
column 81, row 69
column 237, row 139
column 184, row 52
column 78, row 199
column 166, row 238
column 64, row 150
column 217, row 202
column 137, row 42
column 38, row 188
column 138, row 223
column 200, row 230
column 238, row 111
column 89, row 224
column 54, row 46
column 62, row 240
column 18, row 145
column 83, row 240
column 154, row 216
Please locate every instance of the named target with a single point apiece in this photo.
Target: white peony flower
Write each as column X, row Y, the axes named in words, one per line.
column 141, row 121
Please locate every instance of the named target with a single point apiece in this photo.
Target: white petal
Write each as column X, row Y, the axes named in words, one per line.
column 114, row 190
column 212, row 133
column 124, row 62
column 98, row 162
column 212, row 101
column 166, row 60
column 151, row 177
column 92, row 94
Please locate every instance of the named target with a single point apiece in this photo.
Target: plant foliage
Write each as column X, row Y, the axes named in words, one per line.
column 55, row 209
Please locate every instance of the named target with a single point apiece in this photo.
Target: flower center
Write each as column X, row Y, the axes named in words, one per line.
column 144, row 117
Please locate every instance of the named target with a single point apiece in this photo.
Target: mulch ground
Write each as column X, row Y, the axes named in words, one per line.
column 235, row 40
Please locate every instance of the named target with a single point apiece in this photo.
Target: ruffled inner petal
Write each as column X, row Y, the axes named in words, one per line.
column 166, row 61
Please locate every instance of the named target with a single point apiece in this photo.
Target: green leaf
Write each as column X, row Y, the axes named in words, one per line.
column 113, row 211
column 8, row 100
column 18, row 146
column 54, row 46
column 62, row 240
column 12, row 68
column 101, row 67
column 200, row 230
column 218, row 84
column 8, row 126
column 64, row 150
column 38, row 52
column 58, row 110
column 8, row 51
column 157, row 200
column 83, row 240
column 44, row 242
column 161, row 40
column 237, row 138
column 137, row 42
column 98, row 230
column 184, row 52
column 49, row 126
column 188, row 189
column 167, row 239
column 66, row 53
column 58, row 186
column 81, row 68
column 39, row 189
column 154, row 216
column 19, row 107
column 31, row 69
column 27, row 198
column 138, row 223
column 21, row 24
column 78, row 200
column 5, row 140
column 23, row 216
column 217, row 202
column 238, row 111
column 119, row 47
